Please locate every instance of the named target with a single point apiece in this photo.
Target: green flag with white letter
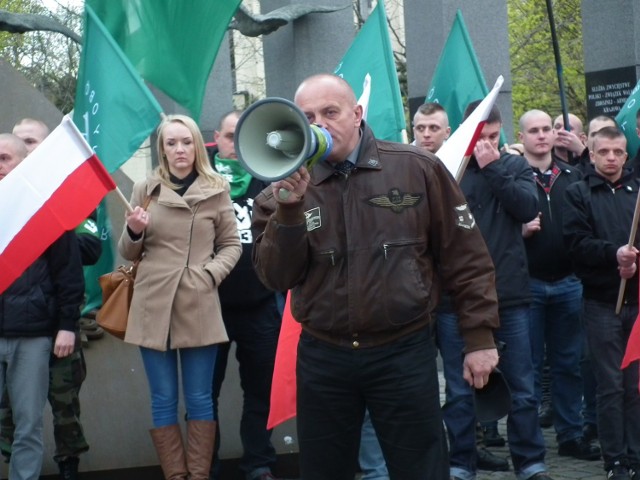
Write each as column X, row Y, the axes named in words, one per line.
column 171, row 43
column 370, row 69
column 113, row 108
column 626, row 118
column 116, row 113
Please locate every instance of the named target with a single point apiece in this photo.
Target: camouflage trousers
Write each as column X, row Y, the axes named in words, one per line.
column 65, row 379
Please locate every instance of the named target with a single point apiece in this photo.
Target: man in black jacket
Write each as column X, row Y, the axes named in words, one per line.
column 44, row 302
column 66, row 375
column 251, row 316
column 556, row 291
column 502, row 196
column 598, row 217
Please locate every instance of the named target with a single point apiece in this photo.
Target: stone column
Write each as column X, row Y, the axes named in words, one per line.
column 427, row 24
column 313, row 44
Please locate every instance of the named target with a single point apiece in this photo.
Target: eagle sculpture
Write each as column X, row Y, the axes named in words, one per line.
column 247, row 23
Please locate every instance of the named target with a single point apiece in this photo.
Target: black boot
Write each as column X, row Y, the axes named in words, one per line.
column 69, row 468
column 488, row 461
column 491, row 437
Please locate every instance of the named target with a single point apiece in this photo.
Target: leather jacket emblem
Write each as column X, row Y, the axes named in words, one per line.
column 396, row 200
column 464, row 217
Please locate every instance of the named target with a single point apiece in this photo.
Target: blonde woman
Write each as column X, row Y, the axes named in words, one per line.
column 188, row 243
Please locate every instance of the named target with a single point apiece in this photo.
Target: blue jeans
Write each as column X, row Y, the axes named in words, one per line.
column 555, row 324
column 24, row 369
column 523, row 430
column 371, row 458
column 617, row 397
column 196, row 368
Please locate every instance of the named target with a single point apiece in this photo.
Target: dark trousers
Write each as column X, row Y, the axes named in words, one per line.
column 255, row 332
column 617, row 397
column 397, row 382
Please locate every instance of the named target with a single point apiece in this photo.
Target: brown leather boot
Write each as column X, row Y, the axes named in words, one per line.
column 201, row 438
column 168, row 443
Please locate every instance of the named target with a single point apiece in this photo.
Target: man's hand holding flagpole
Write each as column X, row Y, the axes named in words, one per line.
column 631, row 251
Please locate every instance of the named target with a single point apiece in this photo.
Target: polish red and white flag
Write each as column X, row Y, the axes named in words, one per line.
column 51, row 191
column 457, row 150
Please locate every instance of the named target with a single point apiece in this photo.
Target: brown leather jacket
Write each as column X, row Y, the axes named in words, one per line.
column 366, row 256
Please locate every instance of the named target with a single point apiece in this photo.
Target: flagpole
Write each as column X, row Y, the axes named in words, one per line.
column 632, row 239
column 123, row 199
column 556, row 54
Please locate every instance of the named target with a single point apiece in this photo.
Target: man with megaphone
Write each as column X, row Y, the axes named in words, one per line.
column 366, row 242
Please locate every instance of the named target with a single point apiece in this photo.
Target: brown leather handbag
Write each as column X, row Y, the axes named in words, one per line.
column 117, row 291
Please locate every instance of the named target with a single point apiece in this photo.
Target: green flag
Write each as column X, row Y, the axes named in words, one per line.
column 113, row 108
column 370, row 69
column 458, row 78
column 626, row 118
column 92, row 291
column 171, row 43
column 116, row 112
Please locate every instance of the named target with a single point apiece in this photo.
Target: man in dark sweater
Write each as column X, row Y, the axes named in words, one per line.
column 251, row 317
column 556, row 291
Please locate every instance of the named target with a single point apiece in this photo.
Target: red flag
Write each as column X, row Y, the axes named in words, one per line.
column 283, row 387
column 633, row 346
column 52, row 190
column 459, row 147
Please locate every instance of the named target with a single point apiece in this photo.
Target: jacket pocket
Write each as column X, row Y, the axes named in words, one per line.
column 318, row 292
column 406, row 275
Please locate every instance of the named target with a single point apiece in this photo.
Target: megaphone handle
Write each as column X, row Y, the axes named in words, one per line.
column 284, row 194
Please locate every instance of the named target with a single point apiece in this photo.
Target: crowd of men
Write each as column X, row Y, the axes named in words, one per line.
column 575, row 250
column 533, row 260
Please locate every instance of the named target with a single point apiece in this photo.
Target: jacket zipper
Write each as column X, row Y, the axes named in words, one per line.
column 387, row 245
column 331, row 253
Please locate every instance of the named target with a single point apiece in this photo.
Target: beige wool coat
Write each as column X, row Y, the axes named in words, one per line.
column 189, row 246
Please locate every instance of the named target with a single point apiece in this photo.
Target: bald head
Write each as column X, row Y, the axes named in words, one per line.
column 12, row 152
column 595, row 125
column 537, row 137
column 328, row 100
column 31, row 131
column 326, row 80
column 575, row 124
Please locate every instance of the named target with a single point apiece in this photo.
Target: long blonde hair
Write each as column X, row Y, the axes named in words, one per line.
column 201, row 163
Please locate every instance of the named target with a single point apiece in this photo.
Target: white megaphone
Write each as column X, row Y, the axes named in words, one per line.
column 273, row 139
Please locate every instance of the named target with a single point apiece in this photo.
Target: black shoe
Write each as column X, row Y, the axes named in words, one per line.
column 580, row 449
column 617, row 471
column 634, row 472
column 488, row 461
column 69, row 468
column 491, row 437
column 590, row 432
column 545, row 416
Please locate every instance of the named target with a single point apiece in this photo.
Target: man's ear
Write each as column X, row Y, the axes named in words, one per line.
column 359, row 112
column 216, row 135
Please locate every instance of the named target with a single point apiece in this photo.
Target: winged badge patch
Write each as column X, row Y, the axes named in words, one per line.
column 465, row 217
column 396, row 200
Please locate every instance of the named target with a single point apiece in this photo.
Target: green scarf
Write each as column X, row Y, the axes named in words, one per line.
column 238, row 178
